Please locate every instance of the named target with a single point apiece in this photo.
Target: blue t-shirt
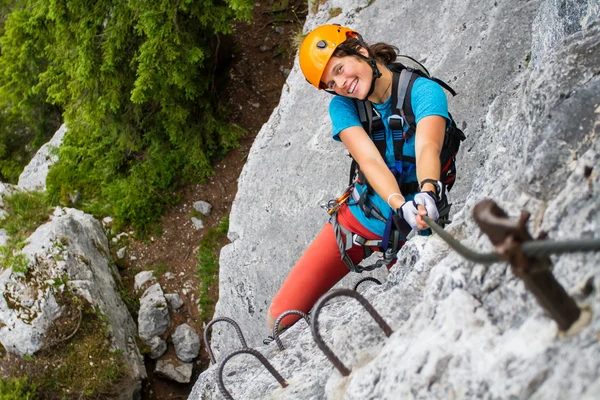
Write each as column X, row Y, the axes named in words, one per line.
column 427, row 98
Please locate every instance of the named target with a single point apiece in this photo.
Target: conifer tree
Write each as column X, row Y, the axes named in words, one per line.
column 134, row 82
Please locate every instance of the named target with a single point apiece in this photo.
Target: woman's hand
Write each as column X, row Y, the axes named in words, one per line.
column 426, row 206
column 412, row 214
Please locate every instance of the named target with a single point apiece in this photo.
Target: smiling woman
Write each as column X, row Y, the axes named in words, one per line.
column 394, row 121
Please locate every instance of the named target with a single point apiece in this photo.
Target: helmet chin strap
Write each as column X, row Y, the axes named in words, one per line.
column 376, row 74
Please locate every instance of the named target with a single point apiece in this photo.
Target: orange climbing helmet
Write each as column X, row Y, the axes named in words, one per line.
column 318, row 47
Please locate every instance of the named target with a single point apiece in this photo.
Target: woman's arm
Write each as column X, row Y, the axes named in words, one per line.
column 428, row 145
column 363, row 150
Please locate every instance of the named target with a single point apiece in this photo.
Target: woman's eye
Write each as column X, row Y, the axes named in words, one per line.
column 339, row 69
column 331, row 85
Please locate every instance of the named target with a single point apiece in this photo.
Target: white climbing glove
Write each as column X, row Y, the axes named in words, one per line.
column 427, row 200
column 409, row 212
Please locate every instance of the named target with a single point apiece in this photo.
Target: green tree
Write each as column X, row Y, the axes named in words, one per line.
column 135, row 81
column 26, row 119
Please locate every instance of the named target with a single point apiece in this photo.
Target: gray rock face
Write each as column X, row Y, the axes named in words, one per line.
column 558, row 19
column 72, row 244
column 186, row 342
column 461, row 330
column 34, row 175
column 153, row 317
column 26, row 312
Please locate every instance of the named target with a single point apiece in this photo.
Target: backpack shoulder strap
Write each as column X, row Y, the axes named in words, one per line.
column 445, row 86
column 372, row 124
column 402, row 84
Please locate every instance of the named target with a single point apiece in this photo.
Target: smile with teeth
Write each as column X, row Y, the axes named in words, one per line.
column 353, row 86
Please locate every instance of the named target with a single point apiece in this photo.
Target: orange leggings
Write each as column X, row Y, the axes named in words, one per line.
column 318, row 269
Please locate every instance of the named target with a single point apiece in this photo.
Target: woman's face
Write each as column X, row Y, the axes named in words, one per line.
column 348, row 76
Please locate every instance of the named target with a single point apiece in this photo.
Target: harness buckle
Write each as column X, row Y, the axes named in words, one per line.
column 396, row 122
column 358, row 240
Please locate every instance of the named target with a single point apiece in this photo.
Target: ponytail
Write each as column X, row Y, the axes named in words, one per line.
column 382, row 52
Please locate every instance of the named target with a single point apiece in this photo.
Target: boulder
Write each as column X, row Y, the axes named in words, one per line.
column 153, row 317
column 203, row 207
column 158, row 347
column 71, row 249
column 34, row 175
column 174, row 370
column 174, row 300
column 141, row 279
column 186, row 342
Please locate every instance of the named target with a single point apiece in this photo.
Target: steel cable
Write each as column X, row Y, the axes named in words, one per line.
column 533, row 248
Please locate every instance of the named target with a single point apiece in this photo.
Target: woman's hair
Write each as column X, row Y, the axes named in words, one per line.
column 382, row 52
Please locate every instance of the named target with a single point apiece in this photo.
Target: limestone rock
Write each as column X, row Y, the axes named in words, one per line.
column 121, row 253
column 174, row 300
column 71, row 245
column 203, row 207
column 186, row 342
column 141, row 279
column 34, row 175
column 175, row 370
column 158, row 347
column 198, row 224
column 153, row 317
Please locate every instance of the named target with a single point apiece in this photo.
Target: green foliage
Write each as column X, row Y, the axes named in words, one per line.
column 16, row 389
column 26, row 211
column 11, row 258
column 136, row 82
column 27, row 120
column 208, row 265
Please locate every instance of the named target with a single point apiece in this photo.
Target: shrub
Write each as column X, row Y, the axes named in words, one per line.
column 136, row 82
column 16, row 389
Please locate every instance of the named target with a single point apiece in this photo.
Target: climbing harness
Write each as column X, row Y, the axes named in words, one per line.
column 346, row 239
